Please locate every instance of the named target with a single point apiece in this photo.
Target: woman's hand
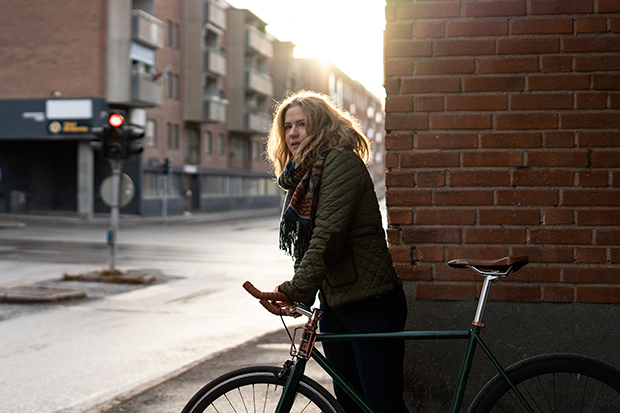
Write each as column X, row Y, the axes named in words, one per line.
column 275, row 302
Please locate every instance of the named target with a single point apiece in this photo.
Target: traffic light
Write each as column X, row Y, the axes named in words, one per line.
column 114, row 141
column 133, row 141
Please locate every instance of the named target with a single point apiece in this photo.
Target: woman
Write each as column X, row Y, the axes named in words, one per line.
column 331, row 225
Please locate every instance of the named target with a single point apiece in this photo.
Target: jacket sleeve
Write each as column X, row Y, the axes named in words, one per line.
column 341, row 188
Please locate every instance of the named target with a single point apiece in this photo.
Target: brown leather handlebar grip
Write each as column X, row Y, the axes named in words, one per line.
column 262, row 295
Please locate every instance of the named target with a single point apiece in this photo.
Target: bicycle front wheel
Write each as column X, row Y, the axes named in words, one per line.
column 566, row 383
column 258, row 389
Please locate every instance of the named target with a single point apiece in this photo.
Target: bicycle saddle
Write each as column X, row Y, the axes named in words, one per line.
column 503, row 264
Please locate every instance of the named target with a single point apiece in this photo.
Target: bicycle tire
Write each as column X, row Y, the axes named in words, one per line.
column 258, row 389
column 566, row 383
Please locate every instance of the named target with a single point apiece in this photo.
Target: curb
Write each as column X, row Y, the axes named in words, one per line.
column 38, row 294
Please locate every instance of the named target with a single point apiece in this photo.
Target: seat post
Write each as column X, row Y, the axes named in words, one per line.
column 484, row 296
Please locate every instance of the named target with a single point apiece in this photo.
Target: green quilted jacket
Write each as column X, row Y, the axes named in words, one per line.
column 348, row 259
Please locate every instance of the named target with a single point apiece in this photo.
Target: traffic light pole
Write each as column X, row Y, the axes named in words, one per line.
column 117, row 165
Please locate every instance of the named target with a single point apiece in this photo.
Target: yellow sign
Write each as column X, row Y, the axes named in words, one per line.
column 73, row 127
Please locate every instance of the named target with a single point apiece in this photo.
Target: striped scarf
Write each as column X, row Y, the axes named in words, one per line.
column 299, row 209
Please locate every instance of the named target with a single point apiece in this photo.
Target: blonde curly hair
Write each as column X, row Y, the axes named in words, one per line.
column 326, row 125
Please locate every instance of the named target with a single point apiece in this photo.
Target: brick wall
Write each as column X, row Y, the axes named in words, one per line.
column 503, row 139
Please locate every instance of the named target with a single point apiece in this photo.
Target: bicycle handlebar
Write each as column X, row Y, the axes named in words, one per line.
column 275, row 302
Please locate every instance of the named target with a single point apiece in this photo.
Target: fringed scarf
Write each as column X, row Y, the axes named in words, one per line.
column 299, row 209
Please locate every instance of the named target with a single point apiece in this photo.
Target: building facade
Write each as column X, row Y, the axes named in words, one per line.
column 198, row 76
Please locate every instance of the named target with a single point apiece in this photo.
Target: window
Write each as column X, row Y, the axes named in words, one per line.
column 169, row 85
column 220, row 144
column 170, row 35
column 176, row 31
column 150, row 134
column 192, row 146
column 175, row 86
column 208, row 144
column 176, row 136
column 169, row 130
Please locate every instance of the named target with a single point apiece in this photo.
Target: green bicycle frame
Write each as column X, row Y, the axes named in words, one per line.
column 473, row 339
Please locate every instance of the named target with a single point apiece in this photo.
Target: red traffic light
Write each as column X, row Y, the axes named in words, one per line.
column 116, row 120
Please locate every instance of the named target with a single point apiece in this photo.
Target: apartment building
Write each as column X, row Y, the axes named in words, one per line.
column 200, row 78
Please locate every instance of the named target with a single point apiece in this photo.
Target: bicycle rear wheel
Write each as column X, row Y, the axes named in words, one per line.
column 566, row 383
column 258, row 389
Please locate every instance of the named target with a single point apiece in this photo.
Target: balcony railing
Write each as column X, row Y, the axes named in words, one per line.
column 258, row 41
column 145, row 91
column 258, row 81
column 146, row 29
column 259, row 122
column 215, row 14
column 215, row 62
column 214, row 109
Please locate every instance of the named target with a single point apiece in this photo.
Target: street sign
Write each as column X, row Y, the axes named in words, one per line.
column 127, row 191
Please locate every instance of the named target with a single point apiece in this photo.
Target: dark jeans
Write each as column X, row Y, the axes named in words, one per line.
column 373, row 367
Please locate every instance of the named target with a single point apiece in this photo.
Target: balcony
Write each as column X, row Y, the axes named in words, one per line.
column 146, row 29
column 215, row 62
column 258, row 81
column 145, row 91
column 259, row 42
column 214, row 14
column 214, row 109
column 259, row 122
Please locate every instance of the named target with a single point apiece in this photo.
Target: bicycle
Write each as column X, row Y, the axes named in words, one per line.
column 547, row 383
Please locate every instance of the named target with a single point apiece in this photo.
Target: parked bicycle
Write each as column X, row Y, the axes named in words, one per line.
column 548, row 383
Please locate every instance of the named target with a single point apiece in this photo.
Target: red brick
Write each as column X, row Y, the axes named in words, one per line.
column 590, row 197
column 606, row 82
column 446, row 291
column 398, row 30
column 585, row 275
column 615, row 178
column 429, row 254
column 558, row 294
column 533, row 274
column 591, row 100
column 479, row 178
column 511, row 140
column 399, row 104
column 590, row 294
column 614, row 24
column 545, row 254
column 400, row 216
column 399, row 141
column 401, row 254
column 590, row 255
column 605, row 159
column 507, row 65
column 614, row 100
column 559, row 217
column 598, row 63
column 559, row 139
column 408, row 272
column 476, row 103
column 428, row 103
column 430, row 179
column 398, row 179
column 392, row 235
column 464, row 47
column 431, row 85
column 545, row 177
column 429, row 29
column 421, row 159
column 477, row 28
column 561, row 6
column 494, row 236
column 407, row 48
column 390, row 12
column 608, row 237
column 447, row 140
column 504, row 292
column 538, row 101
column 439, row 216
column 420, row 235
column 597, row 139
column 523, row 197
column 522, row 121
column 487, row 252
column 560, row 236
column 398, row 67
column 429, row 10
column 554, row 64
column 409, row 121
column 391, row 160
column 558, row 82
column 460, row 121
column 488, row 158
column 444, row 66
column 509, row 216
column 608, row 6
column 493, row 83
column 590, row 44
column 615, row 255
column 557, row 158
column 528, row 46
column 392, row 85
column 592, row 178
column 467, row 197
column 402, row 198
column 446, row 273
column 494, row 8
column 590, row 120
column 541, row 26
